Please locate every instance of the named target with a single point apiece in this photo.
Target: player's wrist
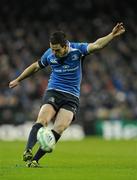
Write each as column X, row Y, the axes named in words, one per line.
column 111, row 35
column 18, row 79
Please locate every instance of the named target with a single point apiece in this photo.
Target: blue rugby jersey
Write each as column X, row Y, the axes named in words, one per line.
column 66, row 71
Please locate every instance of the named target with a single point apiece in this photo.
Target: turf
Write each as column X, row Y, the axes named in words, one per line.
column 89, row 159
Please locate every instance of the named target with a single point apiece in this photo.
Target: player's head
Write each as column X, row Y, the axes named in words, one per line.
column 59, row 43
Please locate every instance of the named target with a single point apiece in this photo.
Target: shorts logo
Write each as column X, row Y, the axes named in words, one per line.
column 51, row 99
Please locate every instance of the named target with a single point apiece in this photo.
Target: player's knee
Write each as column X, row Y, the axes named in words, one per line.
column 60, row 128
column 43, row 120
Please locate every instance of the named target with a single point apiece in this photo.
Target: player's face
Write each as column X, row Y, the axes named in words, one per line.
column 58, row 50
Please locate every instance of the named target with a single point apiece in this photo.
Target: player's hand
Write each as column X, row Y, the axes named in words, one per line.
column 13, row 83
column 118, row 29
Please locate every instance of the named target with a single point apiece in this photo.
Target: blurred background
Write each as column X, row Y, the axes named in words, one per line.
column 109, row 86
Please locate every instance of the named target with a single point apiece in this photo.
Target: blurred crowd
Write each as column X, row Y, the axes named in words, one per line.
column 109, row 85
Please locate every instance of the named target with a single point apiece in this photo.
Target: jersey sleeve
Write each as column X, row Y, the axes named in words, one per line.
column 43, row 62
column 83, row 47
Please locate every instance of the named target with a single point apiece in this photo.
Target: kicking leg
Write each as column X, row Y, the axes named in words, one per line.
column 47, row 112
column 62, row 121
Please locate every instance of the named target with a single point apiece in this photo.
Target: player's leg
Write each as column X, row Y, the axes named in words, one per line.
column 47, row 112
column 63, row 120
column 64, row 116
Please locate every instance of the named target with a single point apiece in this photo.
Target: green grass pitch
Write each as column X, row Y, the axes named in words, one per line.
column 89, row 159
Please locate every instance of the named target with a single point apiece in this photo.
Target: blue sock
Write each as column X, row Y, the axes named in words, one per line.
column 56, row 135
column 33, row 135
column 39, row 154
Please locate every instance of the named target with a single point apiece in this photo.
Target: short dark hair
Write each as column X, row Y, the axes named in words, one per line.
column 58, row 37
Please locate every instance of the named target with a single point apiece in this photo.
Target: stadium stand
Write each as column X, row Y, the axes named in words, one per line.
column 109, row 85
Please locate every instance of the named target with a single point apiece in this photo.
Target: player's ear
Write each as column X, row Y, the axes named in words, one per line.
column 65, row 46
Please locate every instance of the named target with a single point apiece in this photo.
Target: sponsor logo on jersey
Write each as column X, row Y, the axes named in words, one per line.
column 66, row 66
column 53, row 61
column 51, row 99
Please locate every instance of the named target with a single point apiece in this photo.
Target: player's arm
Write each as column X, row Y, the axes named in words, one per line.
column 33, row 68
column 102, row 42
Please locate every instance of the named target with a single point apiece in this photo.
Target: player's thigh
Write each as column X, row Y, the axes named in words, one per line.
column 46, row 114
column 63, row 120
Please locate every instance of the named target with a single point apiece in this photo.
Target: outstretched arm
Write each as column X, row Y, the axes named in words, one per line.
column 33, row 68
column 102, row 42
